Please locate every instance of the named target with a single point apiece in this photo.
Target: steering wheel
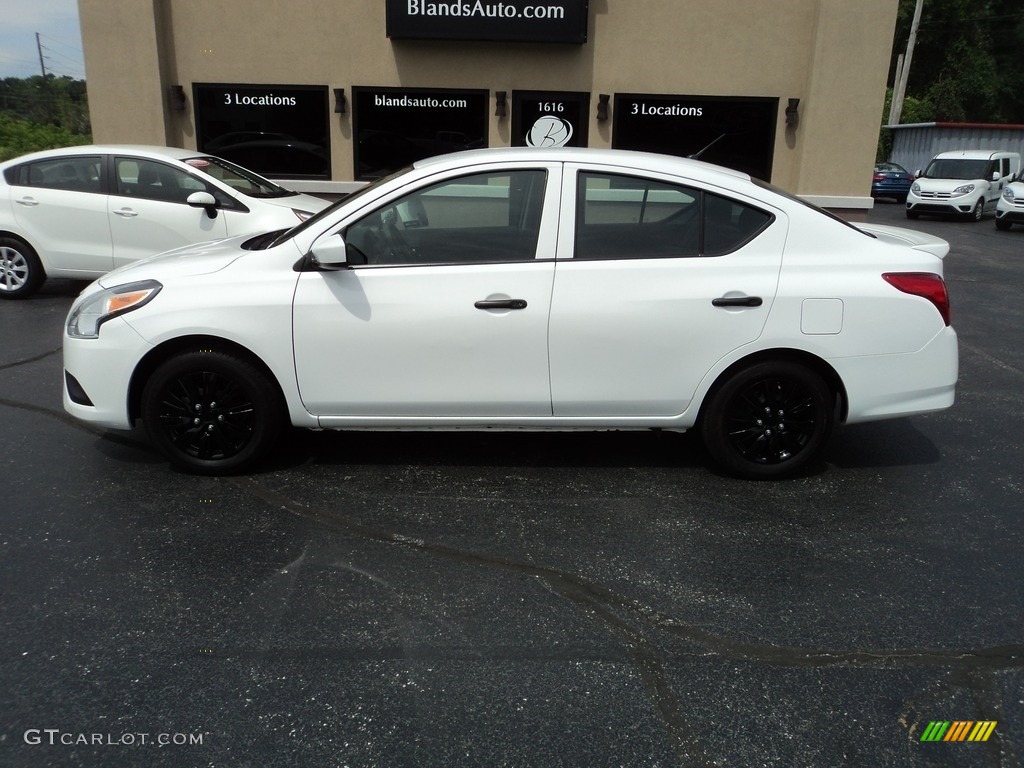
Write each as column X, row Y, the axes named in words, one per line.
column 394, row 238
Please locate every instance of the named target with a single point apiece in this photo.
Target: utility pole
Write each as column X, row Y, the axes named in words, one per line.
column 903, row 71
column 39, row 47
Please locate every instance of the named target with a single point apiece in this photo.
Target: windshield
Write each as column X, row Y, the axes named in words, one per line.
column 313, row 220
column 238, row 178
column 957, row 169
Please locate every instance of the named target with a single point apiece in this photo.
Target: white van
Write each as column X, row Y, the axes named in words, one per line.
column 1010, row 209
column 966, row 183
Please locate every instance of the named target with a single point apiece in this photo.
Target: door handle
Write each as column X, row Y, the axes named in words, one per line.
column 501, row 304
column 738, row 301
column 127, row 213
column 27, row 201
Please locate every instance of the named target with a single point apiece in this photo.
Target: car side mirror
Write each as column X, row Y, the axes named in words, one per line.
column 917, row 173
column 329, row 253
column 995, row 176
column 203, row 200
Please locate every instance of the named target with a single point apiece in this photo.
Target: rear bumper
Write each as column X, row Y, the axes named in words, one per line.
column 891, row 386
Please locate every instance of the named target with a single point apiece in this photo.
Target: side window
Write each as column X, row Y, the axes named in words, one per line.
column 623, row 217
column 136, row 177
column 487, row 217
column 729, row 224
column 620, row 217
column 75, row 174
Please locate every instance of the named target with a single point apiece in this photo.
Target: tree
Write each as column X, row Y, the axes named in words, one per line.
column 967, row 59
column 41, row 113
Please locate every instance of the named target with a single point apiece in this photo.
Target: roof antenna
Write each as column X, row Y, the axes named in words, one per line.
column 696, row 155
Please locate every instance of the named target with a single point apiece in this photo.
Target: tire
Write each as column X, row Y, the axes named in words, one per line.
column 211, row 412
column 978, row 211
column 21, row 272
column 912, row 214
column 739, row 435
column 1003, row 225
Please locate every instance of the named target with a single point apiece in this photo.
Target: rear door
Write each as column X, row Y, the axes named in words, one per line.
column 61, row 206
column 656, row 281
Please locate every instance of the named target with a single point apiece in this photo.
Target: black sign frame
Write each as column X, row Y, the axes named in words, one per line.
column 295, row 117
column 530, row 21
column 419, row 123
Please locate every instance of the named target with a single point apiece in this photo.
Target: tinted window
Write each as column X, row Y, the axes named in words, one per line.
column 77, row 174
column 135, row 177
column 480, row 218
column 620, row 217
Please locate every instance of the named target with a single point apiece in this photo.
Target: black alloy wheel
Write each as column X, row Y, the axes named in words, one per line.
column 768, row 420
column 211, row 412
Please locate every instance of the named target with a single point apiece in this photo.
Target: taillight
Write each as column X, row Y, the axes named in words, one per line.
column 924, row 284
column 878, row 177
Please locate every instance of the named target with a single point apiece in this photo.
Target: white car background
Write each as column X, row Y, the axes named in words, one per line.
column 79, row 212
column 526, row 289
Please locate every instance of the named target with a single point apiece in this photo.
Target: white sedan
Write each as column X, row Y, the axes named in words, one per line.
column 525, row 289
column 79, row 212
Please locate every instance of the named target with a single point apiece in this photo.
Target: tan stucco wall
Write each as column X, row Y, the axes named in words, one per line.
column 831, row 54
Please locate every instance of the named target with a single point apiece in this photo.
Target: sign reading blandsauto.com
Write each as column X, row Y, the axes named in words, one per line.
column 555, row 21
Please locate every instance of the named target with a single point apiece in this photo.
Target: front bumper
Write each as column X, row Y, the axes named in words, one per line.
column 100, row 373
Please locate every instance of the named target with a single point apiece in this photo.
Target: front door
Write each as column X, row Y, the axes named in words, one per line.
column 442, row 315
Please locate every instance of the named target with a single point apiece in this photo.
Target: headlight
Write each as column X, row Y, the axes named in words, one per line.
column 87, row 316
column 302, row 215
column 915, row 188
column 1008, row 194
column 963, row 189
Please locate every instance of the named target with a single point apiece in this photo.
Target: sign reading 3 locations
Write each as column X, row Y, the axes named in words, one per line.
column 276, row 130
column 555, row 21
column 549, row 119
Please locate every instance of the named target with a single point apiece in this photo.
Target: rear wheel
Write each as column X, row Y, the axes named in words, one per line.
column 768, row 420
column 211, row 412
column 21, row 272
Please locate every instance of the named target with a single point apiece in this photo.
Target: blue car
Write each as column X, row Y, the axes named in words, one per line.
column 891, row 180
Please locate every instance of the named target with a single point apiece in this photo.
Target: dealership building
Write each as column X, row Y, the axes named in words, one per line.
column 328, row 93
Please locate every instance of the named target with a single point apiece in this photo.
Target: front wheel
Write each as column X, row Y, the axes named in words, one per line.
column 1003, row 224
column 978, row 211
column 211, row 413
column 21, row 272
column 768, row 420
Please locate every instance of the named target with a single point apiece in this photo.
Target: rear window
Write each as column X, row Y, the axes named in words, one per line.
column 74, row 174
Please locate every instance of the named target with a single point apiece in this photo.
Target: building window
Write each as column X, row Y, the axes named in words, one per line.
column 280, row 131
column 398, row 126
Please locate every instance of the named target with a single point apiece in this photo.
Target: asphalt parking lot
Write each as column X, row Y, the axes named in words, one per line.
column 520, row 600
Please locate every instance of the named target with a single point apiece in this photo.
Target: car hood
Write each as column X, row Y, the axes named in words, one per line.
column 299, row 202
column 947, row 185
column 920, row 241
column 194, row 259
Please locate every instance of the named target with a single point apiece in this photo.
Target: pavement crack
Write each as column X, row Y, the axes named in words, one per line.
column 613, row 611
column 27, row 360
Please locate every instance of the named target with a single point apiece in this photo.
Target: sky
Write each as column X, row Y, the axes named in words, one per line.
column 56, row 21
